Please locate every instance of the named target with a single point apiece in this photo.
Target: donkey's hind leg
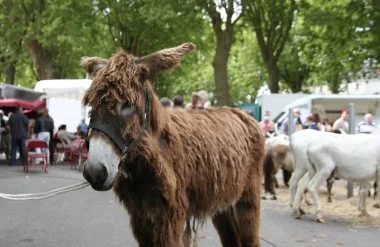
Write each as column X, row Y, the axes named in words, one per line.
column 226, row 226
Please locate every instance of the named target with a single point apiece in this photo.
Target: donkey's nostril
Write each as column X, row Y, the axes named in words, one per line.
column 96, row 175
column 105, row 173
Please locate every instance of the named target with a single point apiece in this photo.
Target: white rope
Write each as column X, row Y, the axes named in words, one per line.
column 44, row 195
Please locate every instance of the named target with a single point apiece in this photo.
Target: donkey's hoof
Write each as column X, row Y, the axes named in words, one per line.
column 329, row 200
column 264, row 197
column 376, row 205
column 321, row 220
column 274, row 198
column 302, row 211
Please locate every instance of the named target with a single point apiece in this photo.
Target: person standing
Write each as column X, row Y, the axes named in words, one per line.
column 83, row 126
column 341, row 123
column 44, row 130
column 178, row 102
column 165, row 102
column 366, row 126
column 264, row 124
column 296, row 119
column 18, row 127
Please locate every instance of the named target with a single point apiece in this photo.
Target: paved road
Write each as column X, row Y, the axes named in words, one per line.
column 87, row 218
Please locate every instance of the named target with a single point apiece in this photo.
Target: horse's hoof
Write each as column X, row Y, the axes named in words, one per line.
column 298, row 214
column 302, row 211
column 299, row 217
column 274, row 198
column 364, row 214
column 264, row 197
column 329, row 200
column 320, row 220
column 376, row 205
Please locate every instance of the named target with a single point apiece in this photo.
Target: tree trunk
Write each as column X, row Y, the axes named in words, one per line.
column 296, row 86
column 274, row 75
column 43, row 61
column 10, row 71
column 223, row 47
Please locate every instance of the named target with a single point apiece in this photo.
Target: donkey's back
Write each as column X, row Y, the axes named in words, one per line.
column 224, row 150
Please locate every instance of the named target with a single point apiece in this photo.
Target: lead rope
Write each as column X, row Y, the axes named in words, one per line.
column 44, row 195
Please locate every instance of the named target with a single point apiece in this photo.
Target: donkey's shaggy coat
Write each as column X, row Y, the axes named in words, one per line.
column 187, row 163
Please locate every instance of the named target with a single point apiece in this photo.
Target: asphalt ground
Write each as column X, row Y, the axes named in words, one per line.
column 87, row 218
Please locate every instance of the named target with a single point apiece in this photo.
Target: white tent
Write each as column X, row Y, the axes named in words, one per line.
column 66, row 88
column 64, row 100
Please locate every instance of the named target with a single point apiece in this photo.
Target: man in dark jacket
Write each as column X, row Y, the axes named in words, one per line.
column 44, row 130
column 18, row 127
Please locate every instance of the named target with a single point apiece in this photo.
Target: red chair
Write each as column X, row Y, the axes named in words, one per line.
column 30, row 156
column 83, row 155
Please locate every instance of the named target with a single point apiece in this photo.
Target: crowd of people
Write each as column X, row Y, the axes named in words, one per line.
column 199, row 101
column 313, row 121
column 17, row 128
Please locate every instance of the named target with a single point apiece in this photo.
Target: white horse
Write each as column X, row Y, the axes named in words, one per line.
column 317, row 154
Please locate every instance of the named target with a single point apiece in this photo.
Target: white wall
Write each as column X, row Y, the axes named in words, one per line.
column 66, row 111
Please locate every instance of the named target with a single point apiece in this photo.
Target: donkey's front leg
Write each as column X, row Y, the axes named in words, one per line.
column 168, row 230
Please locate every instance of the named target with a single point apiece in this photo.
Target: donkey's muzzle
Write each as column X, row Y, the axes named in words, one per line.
column 96, row 175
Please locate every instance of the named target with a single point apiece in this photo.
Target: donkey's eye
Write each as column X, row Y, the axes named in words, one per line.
column 126, row 105
column 126, row 109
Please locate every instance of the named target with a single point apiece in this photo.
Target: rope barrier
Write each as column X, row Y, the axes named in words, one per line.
column 44, row 195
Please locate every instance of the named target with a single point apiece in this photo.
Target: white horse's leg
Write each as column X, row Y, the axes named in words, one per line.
column 363, row 191
column 301, row 187
column 319, row 178
column 293, row 183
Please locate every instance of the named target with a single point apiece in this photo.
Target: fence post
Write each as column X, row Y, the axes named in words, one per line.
column 351, row 124
column 291, row 124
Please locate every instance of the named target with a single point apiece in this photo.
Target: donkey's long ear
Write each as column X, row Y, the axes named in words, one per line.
column 93, row 64
column 165, row 59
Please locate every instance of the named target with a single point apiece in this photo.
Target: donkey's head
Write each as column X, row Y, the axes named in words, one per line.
column 124, row 107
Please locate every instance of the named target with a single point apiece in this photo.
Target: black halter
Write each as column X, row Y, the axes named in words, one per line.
column 115, row 135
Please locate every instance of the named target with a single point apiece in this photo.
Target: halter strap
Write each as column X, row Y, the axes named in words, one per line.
column 115, row 136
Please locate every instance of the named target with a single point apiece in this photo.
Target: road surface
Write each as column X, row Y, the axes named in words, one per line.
column 88, row 218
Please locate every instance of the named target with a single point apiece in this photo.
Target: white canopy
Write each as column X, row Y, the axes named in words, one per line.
column 63, row 88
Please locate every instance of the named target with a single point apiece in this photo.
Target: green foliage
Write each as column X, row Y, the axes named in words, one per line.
column 335, row 41
column 327, row 41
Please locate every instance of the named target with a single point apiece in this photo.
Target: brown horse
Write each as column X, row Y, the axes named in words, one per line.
column 167, row 166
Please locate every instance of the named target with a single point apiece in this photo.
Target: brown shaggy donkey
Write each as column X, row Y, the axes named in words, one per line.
column 167, row 166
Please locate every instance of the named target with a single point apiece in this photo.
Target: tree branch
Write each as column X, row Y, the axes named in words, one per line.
column 285, row 35
column 216, row 19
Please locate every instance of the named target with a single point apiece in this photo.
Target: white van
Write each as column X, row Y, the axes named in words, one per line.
column 332, row 106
